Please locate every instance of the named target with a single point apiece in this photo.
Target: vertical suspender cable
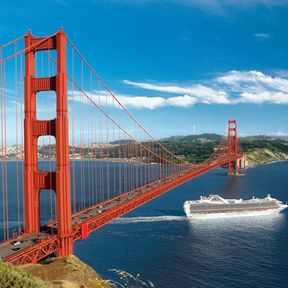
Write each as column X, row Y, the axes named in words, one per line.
column 2, row 150
column 17, row 145
column 21, row 127
column 73, row 136
column 5, row 147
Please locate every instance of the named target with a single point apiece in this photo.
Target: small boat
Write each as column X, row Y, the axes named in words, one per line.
column 214, row 206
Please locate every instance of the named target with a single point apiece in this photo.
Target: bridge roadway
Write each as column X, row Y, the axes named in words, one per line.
column 30, row 248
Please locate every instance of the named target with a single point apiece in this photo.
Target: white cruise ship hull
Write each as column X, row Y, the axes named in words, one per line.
column 215, row 206
column 244, row 213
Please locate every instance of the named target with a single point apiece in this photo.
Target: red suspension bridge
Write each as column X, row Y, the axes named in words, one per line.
column 73, row 158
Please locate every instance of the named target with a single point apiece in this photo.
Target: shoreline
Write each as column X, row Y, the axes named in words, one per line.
column 265, row 163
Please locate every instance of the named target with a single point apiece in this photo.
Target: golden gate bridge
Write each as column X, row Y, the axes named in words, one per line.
column 73, row 158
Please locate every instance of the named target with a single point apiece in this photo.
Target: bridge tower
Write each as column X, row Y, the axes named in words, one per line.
column 58, row 180
column 232, row 147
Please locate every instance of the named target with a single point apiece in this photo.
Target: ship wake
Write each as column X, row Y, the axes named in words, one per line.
column 128, row 220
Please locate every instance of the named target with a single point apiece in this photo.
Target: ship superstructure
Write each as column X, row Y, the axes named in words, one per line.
column 215, row 206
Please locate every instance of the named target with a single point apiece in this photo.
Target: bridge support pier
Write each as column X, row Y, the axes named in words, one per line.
column 233, row 168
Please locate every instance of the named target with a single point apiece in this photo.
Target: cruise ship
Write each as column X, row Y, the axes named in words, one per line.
column 215, row 206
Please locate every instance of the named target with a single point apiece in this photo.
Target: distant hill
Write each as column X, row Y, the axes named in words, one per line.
column 195, row 138
column 197, row 148
column 265, row 137
column 217, row 137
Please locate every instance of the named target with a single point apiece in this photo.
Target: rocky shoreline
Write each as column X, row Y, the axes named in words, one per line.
column 261, row 156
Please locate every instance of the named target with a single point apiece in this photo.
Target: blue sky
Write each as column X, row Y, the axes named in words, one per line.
column 177, row 64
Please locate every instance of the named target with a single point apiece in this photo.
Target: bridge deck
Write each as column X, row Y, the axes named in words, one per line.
column 36, row 246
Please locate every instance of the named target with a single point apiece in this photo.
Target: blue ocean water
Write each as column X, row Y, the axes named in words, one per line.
column 159, row 243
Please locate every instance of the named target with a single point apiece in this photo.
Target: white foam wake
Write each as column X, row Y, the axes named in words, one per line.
column 127, row 220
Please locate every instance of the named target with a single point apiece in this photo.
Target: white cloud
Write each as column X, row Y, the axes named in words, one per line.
column 157, row 102
column 253, row 80
column 230, row 88
column 129, row 101
column 264, row 97
column 203, row 93
column 255, row 87
column 240, row 80
column 261, row 36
